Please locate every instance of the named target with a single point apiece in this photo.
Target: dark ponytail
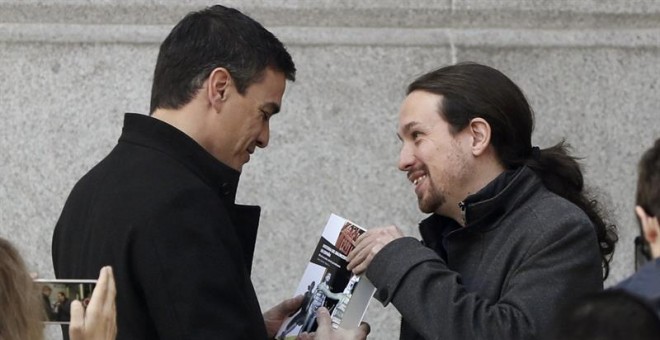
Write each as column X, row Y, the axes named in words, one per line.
column 562, row 174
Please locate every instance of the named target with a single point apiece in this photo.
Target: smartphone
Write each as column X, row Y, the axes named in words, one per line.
column 57, row 296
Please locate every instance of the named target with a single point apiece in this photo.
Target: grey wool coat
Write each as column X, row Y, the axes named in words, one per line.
column 522, row 255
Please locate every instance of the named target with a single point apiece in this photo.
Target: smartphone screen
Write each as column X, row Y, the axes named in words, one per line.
column 57, row 296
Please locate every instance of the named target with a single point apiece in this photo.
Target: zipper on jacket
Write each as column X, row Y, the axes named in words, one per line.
column 461, row 205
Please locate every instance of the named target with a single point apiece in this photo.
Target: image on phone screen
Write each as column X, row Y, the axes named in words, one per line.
column 57, row 296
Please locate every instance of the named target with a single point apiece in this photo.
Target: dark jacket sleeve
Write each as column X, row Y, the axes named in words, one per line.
column 189, row 267
column 434, row 302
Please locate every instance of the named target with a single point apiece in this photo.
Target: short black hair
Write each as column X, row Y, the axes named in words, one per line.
column 215, row 37
column 608, row 315
column 648, row 181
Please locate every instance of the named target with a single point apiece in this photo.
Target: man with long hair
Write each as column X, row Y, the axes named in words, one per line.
column 512, row 234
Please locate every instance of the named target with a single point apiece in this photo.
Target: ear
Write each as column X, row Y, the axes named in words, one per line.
column 219, row 82
column 479, row 130
column 650, row 225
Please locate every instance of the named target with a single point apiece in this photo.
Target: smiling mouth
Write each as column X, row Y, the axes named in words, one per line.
column 418, row 179
column 417, row 176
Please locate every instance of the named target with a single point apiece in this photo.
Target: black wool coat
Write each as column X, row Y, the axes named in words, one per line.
column 160, row 210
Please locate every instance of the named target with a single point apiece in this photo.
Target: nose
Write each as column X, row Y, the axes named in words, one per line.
column 264, row 135
column 406, row 158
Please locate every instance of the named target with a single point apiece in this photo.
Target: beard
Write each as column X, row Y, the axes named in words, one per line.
column 432, row 200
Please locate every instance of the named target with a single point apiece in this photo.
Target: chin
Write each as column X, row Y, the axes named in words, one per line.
column 424, row 207
column 429, row 207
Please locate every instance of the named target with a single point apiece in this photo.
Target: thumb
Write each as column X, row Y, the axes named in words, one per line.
column 289, row 306
column 77, row 320
column 324, row 321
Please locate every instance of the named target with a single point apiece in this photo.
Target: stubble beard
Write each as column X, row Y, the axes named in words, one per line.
column 432, row 200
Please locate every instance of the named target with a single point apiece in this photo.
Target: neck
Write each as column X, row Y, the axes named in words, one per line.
column 655, row 251
column 483, row 172
column 189, row 119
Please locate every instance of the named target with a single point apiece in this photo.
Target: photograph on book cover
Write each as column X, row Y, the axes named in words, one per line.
column 326, row 281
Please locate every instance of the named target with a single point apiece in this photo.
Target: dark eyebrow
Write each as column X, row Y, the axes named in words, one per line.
column 272, row 108
column 406, row 128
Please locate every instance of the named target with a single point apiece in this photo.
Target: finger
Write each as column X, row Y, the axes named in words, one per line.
column 362, row 249
column 283, row 308
column 324, row 322
column 111, row 293
column 305, row 336
column 100, row 291
column 362, row 266
column 77, row 320
column 289, row 306
column 295, row 304
column 103, row 299
column 360, row 258
column 359, row 244
column 362, row 242
column 365, row 328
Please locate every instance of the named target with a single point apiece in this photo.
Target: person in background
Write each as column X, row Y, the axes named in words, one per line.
column 46, row 291
column 632, row 307
column 613, row 314
column 645, row 283
column 512, row 237
column 21, row 308
column 62, row 308
column 160, row 207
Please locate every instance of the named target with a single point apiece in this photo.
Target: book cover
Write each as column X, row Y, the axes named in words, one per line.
column 326, row 282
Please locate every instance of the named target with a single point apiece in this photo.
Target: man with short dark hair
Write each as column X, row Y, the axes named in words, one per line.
column 160, row 207
column 48, row 308
column 609, row 315
column 645, row 283
column 512, row 236
column 62, row 308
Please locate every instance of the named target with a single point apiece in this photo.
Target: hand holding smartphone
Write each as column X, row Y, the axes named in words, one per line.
column 57, row 296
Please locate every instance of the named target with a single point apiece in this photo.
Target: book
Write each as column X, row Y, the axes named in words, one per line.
column 326, row 282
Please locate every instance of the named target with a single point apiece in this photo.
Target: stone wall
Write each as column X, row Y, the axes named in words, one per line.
column 70, row 69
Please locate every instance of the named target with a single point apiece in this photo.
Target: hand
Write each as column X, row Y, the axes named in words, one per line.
column 99, row 321
column 274, row 317
column 325, row 331
column 368, row 245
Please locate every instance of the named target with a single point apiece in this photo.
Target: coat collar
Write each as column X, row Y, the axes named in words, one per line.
column 644, row 284
column 156, row 134
column 498, row 197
